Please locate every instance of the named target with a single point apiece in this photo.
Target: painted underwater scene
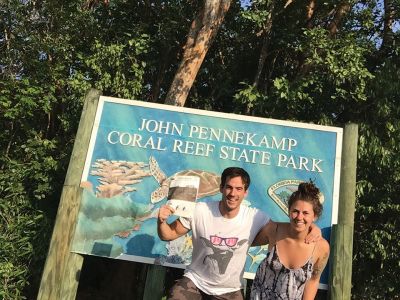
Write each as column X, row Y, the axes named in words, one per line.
column 138, row 148
column 112, row 224
column 109, row 217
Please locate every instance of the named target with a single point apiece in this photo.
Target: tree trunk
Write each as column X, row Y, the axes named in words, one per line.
column 387, row 37
column 310, row 14
column 162, row 67
column 265, row 46
column 202, row 31
column 339, row 13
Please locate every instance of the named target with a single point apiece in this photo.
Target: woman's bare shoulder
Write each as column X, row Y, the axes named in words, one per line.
column 324, row 245
column 321, row 258
column 323, row 249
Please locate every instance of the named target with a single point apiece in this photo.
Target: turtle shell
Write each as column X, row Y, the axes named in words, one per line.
column 209, row 182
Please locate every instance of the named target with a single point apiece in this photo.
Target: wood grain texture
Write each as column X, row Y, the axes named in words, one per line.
column 341, row 258
column 60, row 276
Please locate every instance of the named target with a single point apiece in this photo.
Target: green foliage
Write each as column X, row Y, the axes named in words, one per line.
column 116, row 68
column 333, row 75
column 310, row 76
column 23, row 229
column 376, row 244
column 248, row 98
column 260, row 12
column 52, row 55
column 341, row 61
column 52, row 52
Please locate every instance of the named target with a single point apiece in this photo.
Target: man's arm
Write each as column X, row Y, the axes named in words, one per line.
column 263, row 236
column 169, row 232
column 314, row 234
column 267, row 232
column 311, row 287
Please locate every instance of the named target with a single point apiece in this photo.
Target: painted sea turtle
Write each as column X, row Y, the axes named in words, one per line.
column 209, row 182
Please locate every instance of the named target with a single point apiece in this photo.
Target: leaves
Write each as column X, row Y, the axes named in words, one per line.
column 53, row 51
column 116, row 68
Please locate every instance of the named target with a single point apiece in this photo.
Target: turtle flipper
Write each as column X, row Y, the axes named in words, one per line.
column 156, row 171
column 159, row 194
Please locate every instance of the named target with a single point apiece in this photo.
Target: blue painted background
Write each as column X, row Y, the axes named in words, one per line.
column 144, row 242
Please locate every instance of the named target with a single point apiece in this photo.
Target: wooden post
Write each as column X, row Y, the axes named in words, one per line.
column 155, row 280
column 342, row 233
column 61, row 272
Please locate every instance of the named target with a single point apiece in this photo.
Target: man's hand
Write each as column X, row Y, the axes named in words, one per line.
column 169, row 232
column 164, row 212
column 314, row 234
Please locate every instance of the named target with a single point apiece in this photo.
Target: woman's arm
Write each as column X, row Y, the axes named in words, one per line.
column 311, row 287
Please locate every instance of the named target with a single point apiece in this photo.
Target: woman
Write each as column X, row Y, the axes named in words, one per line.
column 292, row 268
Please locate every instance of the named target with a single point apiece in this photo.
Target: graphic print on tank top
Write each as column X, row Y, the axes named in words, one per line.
column 222, row 251
column 274, row 281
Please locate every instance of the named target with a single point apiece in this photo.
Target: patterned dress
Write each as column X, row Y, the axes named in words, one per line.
column 274, row 281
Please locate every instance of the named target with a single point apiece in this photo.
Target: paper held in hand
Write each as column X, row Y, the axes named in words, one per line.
column 182, row 194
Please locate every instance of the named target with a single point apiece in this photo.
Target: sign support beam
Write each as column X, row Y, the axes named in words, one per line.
column 61, row 272
column 342, row 233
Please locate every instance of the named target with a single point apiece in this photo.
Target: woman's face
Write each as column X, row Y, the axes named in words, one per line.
column 301, row 215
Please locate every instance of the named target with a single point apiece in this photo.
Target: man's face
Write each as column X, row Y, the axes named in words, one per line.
column 233, row 193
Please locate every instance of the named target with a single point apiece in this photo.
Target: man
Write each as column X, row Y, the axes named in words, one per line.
column 222, row 233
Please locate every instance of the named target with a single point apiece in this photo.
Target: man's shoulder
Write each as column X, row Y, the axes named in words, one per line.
column 206, row 206
column 254, row 211
column 257, row 216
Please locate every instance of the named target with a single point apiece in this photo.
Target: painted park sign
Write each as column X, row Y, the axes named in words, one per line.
column 136, row 148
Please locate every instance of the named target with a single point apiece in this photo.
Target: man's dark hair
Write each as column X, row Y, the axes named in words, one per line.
column 235, row 172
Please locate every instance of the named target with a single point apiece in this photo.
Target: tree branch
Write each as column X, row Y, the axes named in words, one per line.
column 201, row 34
column 339, row 13
column 387, row 37
column 264, row 48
